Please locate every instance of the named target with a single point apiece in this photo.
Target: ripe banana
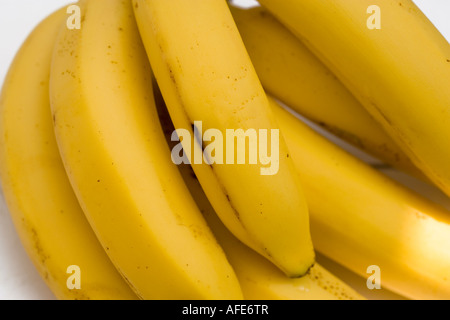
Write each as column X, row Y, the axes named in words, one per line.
column 393, row 60
column 260, row 279
column 44, row 209
column 360, row 217
column 292, row 74
column 119, row 164
column 205, row 74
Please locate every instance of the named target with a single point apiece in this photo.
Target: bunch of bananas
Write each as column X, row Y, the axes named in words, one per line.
column 112, row 170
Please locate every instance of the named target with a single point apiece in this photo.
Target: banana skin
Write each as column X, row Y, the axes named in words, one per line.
column 113, row 149
column 291, row 73
column 399, row 72
column 46, row 214
column 205, row 74
column 360, row 217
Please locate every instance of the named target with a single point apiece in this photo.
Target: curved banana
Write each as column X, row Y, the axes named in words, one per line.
column 119, row 164
column 44, row 209
column 260, row 279
column 393, row 60
column 292, row 74
column 360, row 217
column 205, row 75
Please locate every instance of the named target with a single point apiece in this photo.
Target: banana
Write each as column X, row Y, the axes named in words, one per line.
column 44, row 209
column 393, row 60
column 260, row 279
column 360, row 217
column 206, row 77
column 114, row 152
column 295, row 76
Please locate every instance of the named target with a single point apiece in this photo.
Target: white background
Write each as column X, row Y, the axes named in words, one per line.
column 18, row 278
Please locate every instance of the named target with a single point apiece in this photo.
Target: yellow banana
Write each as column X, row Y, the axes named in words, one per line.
column 360, row 217
column 393, row 60
column 205, row 75
column 260, row 279
column 119, row 164
column 292, row 74
column 44, row 209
